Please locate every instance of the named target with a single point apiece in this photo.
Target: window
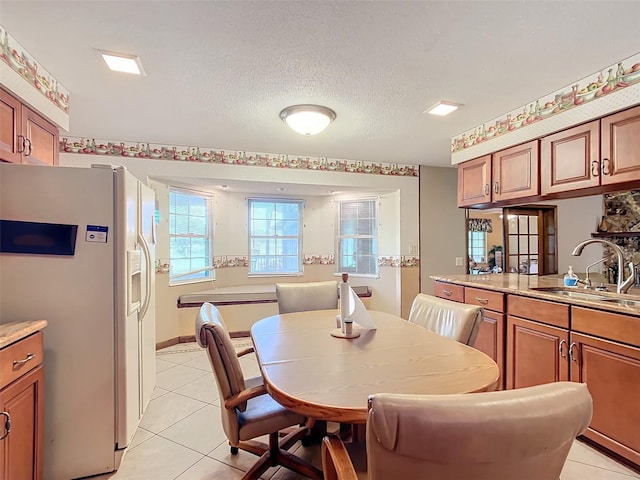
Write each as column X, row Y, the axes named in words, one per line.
column 477, row 247
column 357, row 237
column 275, row 236
column 190, row 237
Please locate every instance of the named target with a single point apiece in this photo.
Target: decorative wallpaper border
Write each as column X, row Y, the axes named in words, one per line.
column 235, row 157
column 597, row 85
column 19, row 60
column 162, row 264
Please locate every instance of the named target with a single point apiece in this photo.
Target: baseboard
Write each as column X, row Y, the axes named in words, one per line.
column 192, row 338
column 175, row 341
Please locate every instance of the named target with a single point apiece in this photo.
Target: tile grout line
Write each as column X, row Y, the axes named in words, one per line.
column 630, row 475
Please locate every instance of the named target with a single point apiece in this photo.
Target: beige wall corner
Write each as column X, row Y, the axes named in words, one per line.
column 442, row 229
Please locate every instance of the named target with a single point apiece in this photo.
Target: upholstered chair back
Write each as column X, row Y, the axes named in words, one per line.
column 454, row 320
column 212, row 335
column 522, row 434
column 303, row 297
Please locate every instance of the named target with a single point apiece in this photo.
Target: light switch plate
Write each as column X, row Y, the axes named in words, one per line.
column 459, row 261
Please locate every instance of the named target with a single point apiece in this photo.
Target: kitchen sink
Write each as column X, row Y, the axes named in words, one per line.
column 625, row 302
column 579, row 294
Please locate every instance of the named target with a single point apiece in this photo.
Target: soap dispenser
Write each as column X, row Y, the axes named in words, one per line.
column 570, row 278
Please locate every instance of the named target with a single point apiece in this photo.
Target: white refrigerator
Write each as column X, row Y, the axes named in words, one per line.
column 77, row 249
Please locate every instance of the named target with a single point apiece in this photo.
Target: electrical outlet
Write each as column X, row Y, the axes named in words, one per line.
column 413, row 249
column 459, row 261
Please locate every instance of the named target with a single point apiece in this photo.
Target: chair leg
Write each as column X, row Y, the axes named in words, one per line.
column 234, row 450
column 277, row 454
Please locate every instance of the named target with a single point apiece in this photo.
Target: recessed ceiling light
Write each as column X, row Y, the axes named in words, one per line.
column 442, row 108
column 119, row 62
column 280, row 189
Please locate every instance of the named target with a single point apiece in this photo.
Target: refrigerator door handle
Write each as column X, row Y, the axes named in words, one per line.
column 144, row 246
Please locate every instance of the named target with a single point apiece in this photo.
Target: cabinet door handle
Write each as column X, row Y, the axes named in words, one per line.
column 28, row 358
column 572, row 357
column 605, row 167
column 7, row 425
column 28, row 142
column 486, row 189
column 448, row 293
column 22, row 143
column 496, row 187
column 595, row 168
column 561, row 350
column 483, row 301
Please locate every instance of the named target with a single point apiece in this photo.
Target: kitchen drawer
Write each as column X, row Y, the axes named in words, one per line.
column 487, row 299
column 551, row 313
column 449, row 291
column 612, row 326
column 27, row 351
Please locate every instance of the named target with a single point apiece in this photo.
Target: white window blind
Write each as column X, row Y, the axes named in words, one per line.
column 275, row 236
column 357, row 241
column 478, row 246
column 190, row 237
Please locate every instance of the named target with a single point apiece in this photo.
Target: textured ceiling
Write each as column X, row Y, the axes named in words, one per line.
column 218, row 73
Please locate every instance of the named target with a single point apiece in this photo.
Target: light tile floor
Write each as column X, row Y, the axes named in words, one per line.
column 180, row 436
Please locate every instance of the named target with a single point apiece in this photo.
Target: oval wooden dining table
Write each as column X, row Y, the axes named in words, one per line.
column 317, row 375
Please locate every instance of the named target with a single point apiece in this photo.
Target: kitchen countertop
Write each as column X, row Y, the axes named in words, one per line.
column 525, row 285
column 14, row 331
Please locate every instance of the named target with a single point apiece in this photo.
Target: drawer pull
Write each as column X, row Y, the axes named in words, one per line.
column 448, row 293
column 28, row 358
column 483, row 301
column 7, row 425
column 572, row 357
column 561, row 350
column 22, row 144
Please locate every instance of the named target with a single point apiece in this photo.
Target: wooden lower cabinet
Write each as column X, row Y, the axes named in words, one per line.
column 449, row 291
column 490, row 340
column 536, row 353
column 611, row 371
column 21, row 449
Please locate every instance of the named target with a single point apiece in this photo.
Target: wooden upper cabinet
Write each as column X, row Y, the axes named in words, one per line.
column 620, row 147
column 11, row 144
column 25, row 136
column 569, row 160
column 515, row 172
column 42, row 139
column 474, row 182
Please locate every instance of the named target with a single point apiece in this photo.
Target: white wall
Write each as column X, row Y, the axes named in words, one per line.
column 397, row 229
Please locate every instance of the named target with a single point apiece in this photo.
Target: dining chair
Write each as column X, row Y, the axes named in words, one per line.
column 454, row 320
column 524, row 433
column 301, row 297
column 248, row 411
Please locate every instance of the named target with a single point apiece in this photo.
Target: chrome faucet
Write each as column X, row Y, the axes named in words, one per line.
column 587, row 280
column 623, row 285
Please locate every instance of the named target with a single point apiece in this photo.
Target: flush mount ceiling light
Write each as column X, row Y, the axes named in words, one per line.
column 119, row 62
column 308, row 119
column 442, row 108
